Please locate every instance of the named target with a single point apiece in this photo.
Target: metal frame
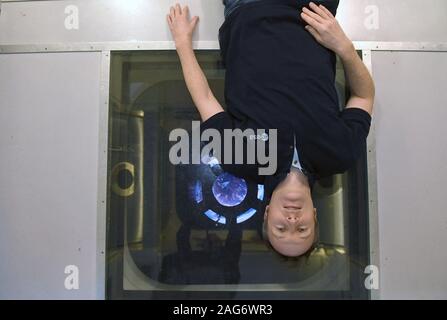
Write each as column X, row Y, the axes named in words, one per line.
column 202, row 45
column 6, row 1
column 367, row 47
column 103, row 160
column 373, row 213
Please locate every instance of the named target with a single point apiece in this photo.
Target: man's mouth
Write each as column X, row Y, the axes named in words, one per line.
column 293, row 207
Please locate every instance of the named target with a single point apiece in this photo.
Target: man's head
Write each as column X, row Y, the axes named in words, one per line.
column 290, row 218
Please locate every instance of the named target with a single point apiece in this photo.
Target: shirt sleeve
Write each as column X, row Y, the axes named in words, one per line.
column 358, row 123
column 224, row 120
column 219, row 121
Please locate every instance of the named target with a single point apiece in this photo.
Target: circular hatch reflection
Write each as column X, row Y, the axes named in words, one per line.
column 229, row 190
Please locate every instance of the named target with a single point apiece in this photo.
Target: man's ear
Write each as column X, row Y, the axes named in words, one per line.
column 315, row 213
column 266, row 212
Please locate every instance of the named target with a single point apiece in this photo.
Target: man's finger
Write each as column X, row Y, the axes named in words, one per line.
column 327, row 11
column 313, row 32
column 318, row 10
column 194, row 21
column 313, row 15
column 178, row 9
column 169, row 19
column 172, row 10
column 311, row 21
column 185, row 10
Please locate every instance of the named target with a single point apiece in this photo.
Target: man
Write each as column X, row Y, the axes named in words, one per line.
column 280, row 74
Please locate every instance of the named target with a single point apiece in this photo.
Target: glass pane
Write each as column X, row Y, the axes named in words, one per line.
column 191, row 231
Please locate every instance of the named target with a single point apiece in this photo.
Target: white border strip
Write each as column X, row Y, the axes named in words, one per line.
column 202, row 45
column 373, row 221
column 101, row 222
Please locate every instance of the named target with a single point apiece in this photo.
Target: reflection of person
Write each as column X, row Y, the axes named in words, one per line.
column 215, row 264
column 280, row 74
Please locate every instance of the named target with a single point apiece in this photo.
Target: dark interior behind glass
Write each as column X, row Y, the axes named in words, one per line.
column 193, row 231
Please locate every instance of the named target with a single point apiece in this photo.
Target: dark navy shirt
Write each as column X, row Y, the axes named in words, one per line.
column 279, row 77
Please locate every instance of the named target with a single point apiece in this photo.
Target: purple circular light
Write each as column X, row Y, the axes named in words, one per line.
column 229, row 190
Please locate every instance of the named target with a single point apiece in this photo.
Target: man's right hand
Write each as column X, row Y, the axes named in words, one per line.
column 325, row 29
column 180, row 25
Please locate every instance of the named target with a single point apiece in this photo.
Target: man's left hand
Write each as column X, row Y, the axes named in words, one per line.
column 325, row 28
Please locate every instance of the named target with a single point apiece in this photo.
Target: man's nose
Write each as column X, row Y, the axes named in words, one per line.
column 293, row 218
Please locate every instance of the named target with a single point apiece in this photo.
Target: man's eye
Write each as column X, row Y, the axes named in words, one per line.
column 280, row 229
column 302, row 230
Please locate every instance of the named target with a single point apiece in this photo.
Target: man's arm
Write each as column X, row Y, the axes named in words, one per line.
column 325, row 29
column 182, row 29
column 359, row 80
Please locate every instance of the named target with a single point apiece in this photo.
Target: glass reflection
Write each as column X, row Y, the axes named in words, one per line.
column 229, row 190
column 194, row 231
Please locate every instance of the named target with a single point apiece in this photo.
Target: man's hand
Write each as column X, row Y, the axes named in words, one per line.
column 182, row 29
column 325, row 29
column 180, row 25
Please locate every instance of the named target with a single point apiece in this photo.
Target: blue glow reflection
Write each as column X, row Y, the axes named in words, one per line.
column 246, row 215
column 260, row 192
column 195, row 191
column 229, row 190
column 215, row 217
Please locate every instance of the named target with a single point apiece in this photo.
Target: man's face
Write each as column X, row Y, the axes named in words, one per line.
column 290, row 219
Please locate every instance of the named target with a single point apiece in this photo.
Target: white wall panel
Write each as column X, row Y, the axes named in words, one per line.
column 49, row 120
column 411, row 149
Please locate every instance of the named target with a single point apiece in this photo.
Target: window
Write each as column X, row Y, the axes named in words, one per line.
column 193, row 231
